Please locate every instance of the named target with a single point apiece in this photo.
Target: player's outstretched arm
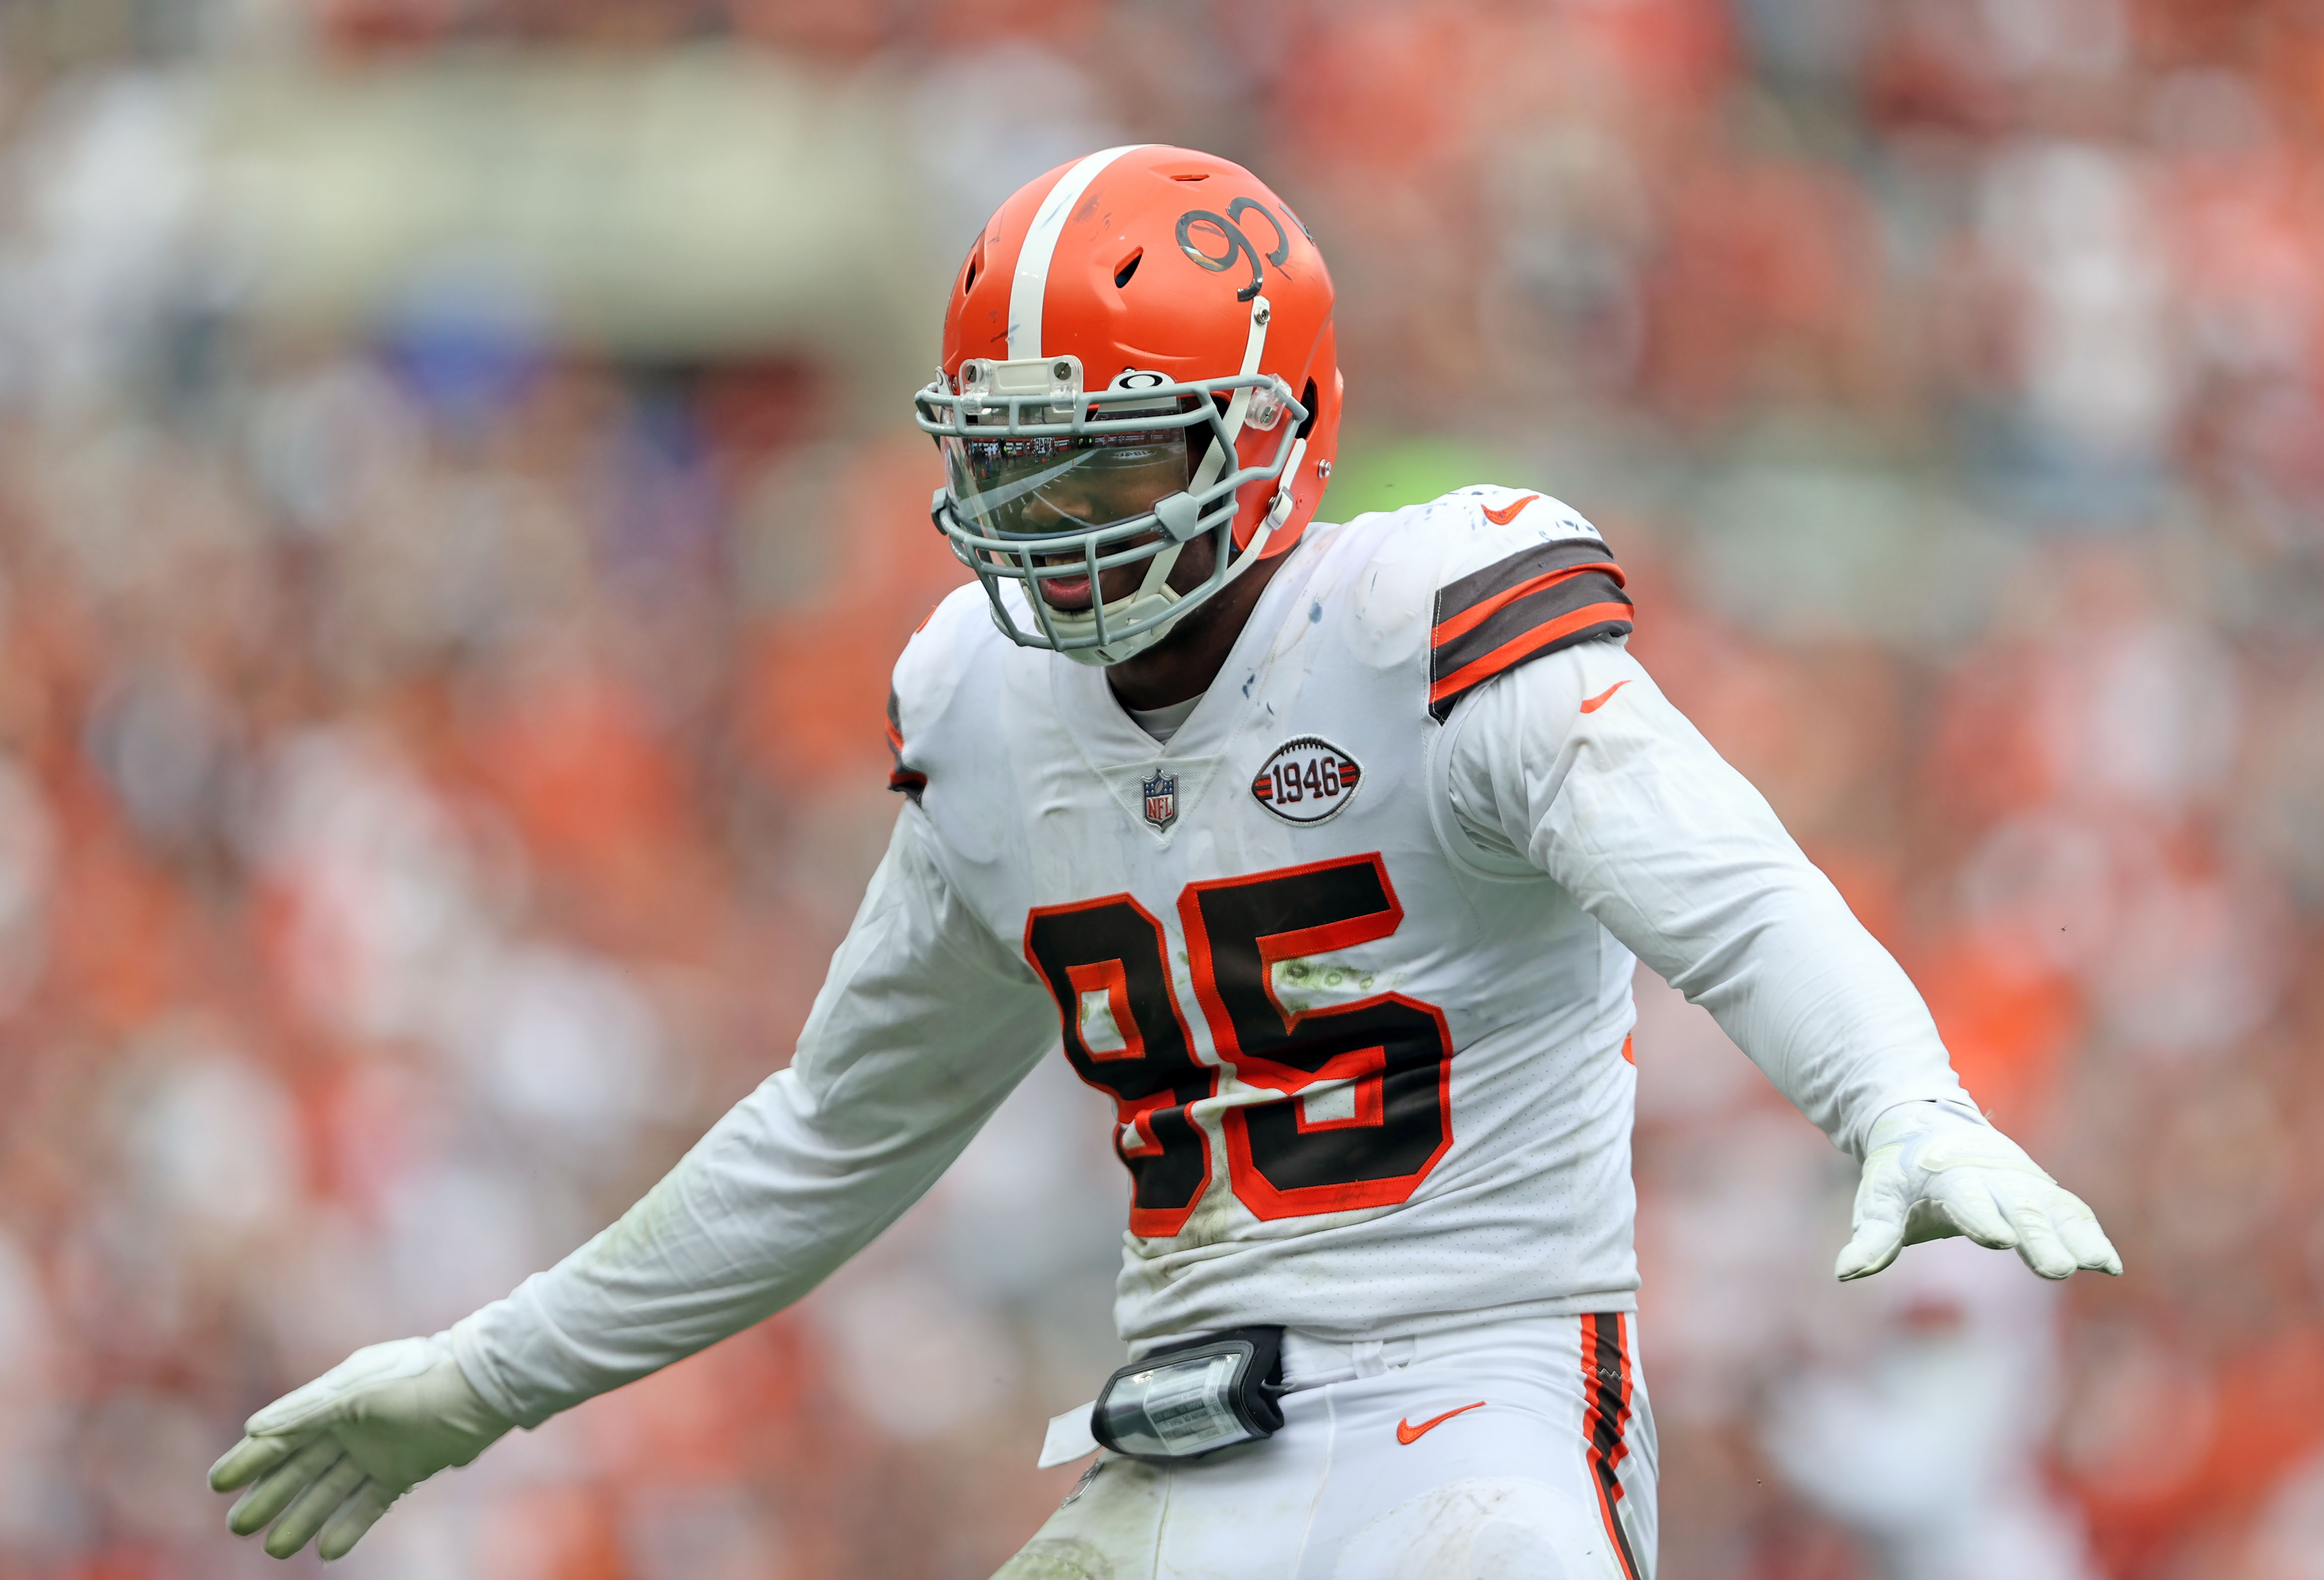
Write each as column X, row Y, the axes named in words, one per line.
column 1666, row 844
column 323, row 1463
column 926, row 1021
column 1934, row 1170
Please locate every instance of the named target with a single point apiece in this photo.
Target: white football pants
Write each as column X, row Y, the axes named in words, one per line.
column 1513, row 1450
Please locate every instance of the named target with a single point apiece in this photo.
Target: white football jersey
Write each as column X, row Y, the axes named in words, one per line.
column 1351, row 955
column 1358, row 1081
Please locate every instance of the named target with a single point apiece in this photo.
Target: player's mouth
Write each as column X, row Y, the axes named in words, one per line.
column 1069, row 592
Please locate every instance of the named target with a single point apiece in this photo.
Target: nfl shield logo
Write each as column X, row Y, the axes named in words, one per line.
column 1161, row 794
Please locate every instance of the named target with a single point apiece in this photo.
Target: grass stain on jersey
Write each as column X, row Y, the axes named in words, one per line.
column 1302, row 984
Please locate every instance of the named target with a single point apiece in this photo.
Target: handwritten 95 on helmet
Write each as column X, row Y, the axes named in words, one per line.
column 1138, row 353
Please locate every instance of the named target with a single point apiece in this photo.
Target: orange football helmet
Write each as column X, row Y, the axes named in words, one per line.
column 1136, row 353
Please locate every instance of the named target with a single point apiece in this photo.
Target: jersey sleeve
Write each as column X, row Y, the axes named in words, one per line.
column 1527, row 577
column 1583, row 769
column 925, row 1023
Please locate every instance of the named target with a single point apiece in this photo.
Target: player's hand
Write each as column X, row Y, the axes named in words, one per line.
column 328, row 1458
column 1933, row 1170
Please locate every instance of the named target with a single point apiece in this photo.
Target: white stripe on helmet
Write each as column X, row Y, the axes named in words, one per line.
column 1032, row 280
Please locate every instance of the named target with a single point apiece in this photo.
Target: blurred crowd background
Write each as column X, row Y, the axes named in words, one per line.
column 459, row 506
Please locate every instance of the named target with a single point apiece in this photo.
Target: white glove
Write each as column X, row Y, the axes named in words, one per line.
column 331, row 1456
column 1933, row 1170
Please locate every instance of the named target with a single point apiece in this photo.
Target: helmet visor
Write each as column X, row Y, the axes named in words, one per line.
column 1027, row 487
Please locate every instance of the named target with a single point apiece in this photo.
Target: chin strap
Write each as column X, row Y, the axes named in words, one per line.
column 1277, row 510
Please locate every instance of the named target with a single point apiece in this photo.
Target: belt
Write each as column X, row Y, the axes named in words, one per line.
column 1312, row 1362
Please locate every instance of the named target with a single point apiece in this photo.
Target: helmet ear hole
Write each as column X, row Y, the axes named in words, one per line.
column 1126, row 268
column 1307, row 399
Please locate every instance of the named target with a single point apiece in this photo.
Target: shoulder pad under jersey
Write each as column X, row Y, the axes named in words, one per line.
column 926, row 673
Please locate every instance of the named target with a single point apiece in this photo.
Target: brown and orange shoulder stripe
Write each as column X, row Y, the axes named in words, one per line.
column 1538, row 601
column 905, row 781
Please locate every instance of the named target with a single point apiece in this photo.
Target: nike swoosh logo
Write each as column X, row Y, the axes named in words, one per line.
column 1598, row 701
column 1507, row 513
column 1408, row 1434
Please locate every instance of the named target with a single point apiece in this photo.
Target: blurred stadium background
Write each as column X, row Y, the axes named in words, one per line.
column 458, row 507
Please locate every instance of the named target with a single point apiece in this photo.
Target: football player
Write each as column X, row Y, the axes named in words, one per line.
column 1326, row 851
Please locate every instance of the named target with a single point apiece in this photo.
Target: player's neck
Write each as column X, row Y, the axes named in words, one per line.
column 1186, row 662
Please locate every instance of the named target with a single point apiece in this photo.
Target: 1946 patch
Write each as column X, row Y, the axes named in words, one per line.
column 1306, row 780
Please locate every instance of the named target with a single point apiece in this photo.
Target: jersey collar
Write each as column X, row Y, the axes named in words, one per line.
column 1108, row 737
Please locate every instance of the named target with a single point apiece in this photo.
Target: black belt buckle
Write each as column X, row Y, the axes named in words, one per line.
column 1194, row 1399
